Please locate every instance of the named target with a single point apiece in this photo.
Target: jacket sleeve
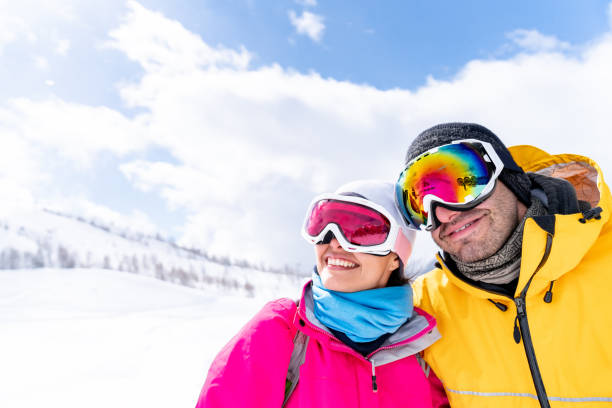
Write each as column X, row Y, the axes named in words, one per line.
column 250, row 371
column 438, row 394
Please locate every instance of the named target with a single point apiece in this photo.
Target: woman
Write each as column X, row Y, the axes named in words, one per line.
column 353, row 338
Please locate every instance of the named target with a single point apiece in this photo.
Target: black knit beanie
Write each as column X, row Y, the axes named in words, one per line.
column 512, row 175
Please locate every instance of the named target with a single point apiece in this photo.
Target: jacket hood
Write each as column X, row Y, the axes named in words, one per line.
column 583, row 173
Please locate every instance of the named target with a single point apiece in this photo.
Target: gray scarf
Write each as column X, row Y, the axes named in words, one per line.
column 505, row 265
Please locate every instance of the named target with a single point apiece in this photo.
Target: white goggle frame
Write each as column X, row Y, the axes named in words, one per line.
column 380, row 249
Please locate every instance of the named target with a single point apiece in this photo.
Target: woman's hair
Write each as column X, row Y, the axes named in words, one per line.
column 397, row 278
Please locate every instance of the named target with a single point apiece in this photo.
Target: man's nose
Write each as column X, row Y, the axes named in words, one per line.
column 445, row 215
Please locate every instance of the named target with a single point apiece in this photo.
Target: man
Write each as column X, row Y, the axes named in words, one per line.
column 527, row 258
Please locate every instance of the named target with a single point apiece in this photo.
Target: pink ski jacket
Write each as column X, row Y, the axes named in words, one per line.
column 251, row 370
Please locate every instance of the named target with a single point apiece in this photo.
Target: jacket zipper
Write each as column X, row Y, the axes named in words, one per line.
column 529, row 351
column 525, row 333
column 374, row 384
column 351, row 352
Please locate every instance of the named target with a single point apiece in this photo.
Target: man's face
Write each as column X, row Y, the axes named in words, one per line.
column 478, row 233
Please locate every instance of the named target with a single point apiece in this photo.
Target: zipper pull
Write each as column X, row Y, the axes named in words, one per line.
column 374, row 385
column 499, row 305
column 548, row 295
column 520, row 307
column 520, row 312
column 517, row 331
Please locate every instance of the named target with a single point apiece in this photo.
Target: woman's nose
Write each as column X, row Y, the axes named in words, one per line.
column 445, row 215
column 334, row 243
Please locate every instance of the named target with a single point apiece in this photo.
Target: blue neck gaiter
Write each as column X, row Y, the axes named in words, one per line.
column 365, row 315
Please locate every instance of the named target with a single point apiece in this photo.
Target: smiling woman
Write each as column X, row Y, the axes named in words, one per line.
column 354, row 338
column 343, row 271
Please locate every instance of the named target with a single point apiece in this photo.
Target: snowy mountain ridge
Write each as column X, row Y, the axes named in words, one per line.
column 46, row 238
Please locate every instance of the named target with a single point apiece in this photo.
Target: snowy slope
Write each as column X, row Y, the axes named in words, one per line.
column 36, row 239
column 101, row 338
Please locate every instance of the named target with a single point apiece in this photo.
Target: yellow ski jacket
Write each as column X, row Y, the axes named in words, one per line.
column 550, row 344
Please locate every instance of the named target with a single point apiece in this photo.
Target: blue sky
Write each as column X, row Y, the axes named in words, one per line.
column 394, row 46
column 217, row 121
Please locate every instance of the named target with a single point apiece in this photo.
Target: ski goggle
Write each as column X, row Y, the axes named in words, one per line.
column 358, row 224
column 458, row 175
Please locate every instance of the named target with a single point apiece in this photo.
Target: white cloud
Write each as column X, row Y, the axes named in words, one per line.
column 309, row 24
column 35, row 10
column 11, row 28
column 62, row 46
column 19, row 172
column 41, row 62
column 253, row 145
column 307, row 3
column 176, row 183
column 74, row 131
column 158, row 43
column 532, row 40
column 25, row 20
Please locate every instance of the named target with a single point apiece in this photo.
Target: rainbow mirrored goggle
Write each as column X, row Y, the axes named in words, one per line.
column 459, row 175
column 358, row 224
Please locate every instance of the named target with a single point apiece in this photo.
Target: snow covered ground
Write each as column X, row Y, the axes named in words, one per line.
column 101, row 338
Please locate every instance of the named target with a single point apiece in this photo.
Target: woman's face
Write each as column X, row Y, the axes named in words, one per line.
column 344, row 271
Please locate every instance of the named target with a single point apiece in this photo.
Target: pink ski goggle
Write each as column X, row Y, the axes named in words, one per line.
column 358, row 224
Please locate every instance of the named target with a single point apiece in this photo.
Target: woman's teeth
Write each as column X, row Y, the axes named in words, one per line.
column 340, row 262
